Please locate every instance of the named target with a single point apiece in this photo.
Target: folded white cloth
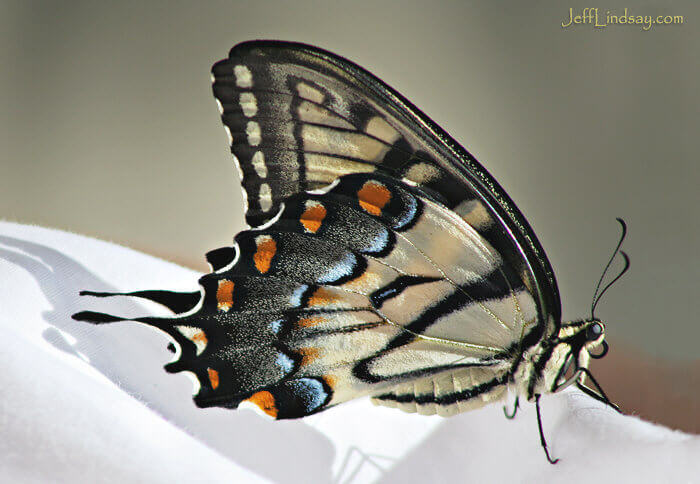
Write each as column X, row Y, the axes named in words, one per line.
column 84, row 403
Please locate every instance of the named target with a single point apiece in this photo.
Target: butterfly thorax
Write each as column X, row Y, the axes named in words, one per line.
column 557, row 362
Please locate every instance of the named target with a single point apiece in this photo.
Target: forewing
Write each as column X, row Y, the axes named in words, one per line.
column 299, row 117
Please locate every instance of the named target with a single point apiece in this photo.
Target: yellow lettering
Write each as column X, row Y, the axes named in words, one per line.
column 596, row 20
column 571, row 18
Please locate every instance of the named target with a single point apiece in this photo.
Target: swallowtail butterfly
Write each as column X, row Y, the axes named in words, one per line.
column 382, row 258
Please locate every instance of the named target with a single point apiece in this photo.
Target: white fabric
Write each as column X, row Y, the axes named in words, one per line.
column 84, row 403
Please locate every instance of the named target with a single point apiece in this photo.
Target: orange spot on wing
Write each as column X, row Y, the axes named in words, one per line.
column 224, row 295
column 306, row 322
column 322, row 297
column 213, row 378
column 363, row 283
column 373, row 197
column 330, row 380
column 265, row 402
column 200, row 336
column 308, row 355
column 267, row 248
column 313, row 216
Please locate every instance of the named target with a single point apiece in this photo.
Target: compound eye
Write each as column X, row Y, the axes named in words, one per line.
column 594, row 331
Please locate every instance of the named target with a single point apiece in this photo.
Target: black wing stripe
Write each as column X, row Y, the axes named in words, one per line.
column 449, row 399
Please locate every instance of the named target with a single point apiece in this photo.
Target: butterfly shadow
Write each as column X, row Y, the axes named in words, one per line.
column 133, row 356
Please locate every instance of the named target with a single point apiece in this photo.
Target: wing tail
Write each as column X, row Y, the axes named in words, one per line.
column 349, row 292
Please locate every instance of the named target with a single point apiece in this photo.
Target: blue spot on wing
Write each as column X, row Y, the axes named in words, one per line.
column 409, row 213
column 276, row 325
column 378, row 243
column 285, row 362
column 310, row 392
column 295, row 298
column 341, row 270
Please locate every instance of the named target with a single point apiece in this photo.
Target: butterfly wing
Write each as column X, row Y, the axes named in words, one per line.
column 408, row 275
column 299, row 117
column 449, row 392
column 352, row 292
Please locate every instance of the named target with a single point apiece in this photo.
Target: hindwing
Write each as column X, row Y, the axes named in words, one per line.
column 351, row 292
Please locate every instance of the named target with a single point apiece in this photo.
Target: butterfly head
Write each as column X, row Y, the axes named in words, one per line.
column 576, row 344
column 579, row 341
column 595, row 338
column 569, row 356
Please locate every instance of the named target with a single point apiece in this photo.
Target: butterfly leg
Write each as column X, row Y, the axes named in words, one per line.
column 516, row 406
column 601, row 397
column 542, row 439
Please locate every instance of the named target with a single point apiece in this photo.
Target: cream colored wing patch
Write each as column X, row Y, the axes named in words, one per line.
column 447, row 393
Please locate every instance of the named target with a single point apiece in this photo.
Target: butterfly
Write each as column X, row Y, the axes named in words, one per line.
column 381, row 259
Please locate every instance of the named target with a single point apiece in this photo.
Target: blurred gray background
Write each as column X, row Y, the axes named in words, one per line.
column 108, row 128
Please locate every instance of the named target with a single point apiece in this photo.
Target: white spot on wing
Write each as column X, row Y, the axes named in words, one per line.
column 230, row 136
column 243, row 76
column 252, row 130
column 259, row 164
column 265, row 197
column 196, row 335
column 249, row 104
column 220, row 106
column 311, row 93
column 272, row 221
